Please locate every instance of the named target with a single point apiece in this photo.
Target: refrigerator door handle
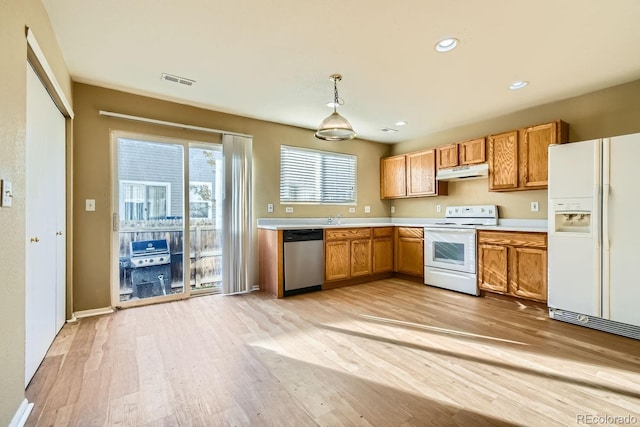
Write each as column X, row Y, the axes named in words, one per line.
column 606, row 185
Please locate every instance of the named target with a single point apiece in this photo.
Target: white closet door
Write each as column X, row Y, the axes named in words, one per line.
column 45, row 138
column 59, row 157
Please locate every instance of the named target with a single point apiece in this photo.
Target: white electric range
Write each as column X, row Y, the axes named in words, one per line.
column 450, row 247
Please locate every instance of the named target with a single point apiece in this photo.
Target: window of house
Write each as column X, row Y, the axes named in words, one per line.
column 315, row 177
column 144, row 200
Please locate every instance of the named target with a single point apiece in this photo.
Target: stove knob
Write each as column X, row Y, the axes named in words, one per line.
column 150, row 260
column 481, row 209
column 161, row 259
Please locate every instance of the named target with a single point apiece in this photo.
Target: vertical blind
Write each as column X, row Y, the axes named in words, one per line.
column 313, row 176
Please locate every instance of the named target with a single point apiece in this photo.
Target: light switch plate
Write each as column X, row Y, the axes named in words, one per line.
column 393, row 209
column 270, row 208
column 7, row 193
column 89, row 205
column 438, row 208
column 367, row 209
column 289, row 210
column 534, row 207
column 352, row 210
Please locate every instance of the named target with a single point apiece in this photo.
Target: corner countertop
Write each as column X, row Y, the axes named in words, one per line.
column 524, row 225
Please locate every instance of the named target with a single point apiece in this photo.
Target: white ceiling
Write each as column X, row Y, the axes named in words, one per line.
column 271, row 59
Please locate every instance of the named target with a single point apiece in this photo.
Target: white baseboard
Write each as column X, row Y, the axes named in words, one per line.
column 20, row 418
column 88, row 313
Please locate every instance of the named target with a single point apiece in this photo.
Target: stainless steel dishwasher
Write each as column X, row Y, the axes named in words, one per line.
column 303, row 261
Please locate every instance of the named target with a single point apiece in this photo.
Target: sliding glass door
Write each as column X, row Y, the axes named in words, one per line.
column 167, row 219
column 206, row 181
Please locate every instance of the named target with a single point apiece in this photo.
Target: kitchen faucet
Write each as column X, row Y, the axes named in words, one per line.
column 337, row 218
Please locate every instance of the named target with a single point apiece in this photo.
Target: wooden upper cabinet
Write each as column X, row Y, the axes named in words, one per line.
column 518, row 159
column 447, row 156
column 534, row 154
column 421, row 173
column 393, row 177
column 472, row 152
column 503, row 161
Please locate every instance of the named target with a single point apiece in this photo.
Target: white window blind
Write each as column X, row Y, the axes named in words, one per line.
column 313, row 176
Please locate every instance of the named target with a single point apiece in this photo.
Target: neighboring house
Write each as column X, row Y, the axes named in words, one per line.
column 151, row 185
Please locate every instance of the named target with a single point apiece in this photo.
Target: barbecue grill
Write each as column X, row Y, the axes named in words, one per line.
column 150, row 263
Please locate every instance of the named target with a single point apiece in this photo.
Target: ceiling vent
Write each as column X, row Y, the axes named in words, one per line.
column 177, row 79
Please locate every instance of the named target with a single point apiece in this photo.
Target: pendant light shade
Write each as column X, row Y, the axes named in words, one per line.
column 335, row 127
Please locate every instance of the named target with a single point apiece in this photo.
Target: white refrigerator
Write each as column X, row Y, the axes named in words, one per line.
column 594, row 234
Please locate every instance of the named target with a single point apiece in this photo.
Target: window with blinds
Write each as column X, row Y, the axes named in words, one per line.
column 315, row 177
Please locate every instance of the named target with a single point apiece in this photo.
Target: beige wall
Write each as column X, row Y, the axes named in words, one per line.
column 609, row 112
column 14, row 16
column 92, row 174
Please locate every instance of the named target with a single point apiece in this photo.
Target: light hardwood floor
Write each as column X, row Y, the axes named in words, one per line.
column 387, row 353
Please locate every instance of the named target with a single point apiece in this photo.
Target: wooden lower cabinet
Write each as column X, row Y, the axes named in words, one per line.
column 409, row 250
column 513, row 263
column 528, row 273
column 347, row 253
column 270, row 265
column 356, row 255
column 382, row 250
column 337, row 255
column 360, row 258
column 492, row 266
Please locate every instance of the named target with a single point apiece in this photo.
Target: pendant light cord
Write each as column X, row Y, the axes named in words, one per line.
column 335, row 95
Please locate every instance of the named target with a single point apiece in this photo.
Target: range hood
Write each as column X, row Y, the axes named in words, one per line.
column 463, row 172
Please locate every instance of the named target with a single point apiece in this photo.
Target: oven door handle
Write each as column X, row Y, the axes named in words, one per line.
column 451, row 230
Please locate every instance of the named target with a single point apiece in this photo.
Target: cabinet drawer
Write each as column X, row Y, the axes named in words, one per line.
column 416, row 232
column 513, row 238
column 347, row 233
column 382, row 232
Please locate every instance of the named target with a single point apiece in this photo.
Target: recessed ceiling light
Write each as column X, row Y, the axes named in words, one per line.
column 518, row 85
column 401, row 123
column 445, row 45
column 389, row 130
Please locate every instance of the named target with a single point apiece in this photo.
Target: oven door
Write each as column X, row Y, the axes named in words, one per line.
column 450, row 248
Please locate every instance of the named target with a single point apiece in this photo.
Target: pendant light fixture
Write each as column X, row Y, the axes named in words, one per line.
column 335, row 127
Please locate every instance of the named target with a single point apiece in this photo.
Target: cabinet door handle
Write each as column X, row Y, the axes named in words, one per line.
column 58, row 233
column 35, row 239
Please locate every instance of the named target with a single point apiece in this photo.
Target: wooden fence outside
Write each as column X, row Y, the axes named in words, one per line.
column 205, row 253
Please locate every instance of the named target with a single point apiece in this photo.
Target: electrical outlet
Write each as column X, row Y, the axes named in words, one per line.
column 367, row 209
column 352, row 210
column 438, row 208
column 270, row 208
column 289, row 209
column 89, row 205
column 534, row 207
column 393, row 209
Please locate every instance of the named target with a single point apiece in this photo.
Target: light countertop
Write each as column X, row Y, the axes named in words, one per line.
column 524, row 225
